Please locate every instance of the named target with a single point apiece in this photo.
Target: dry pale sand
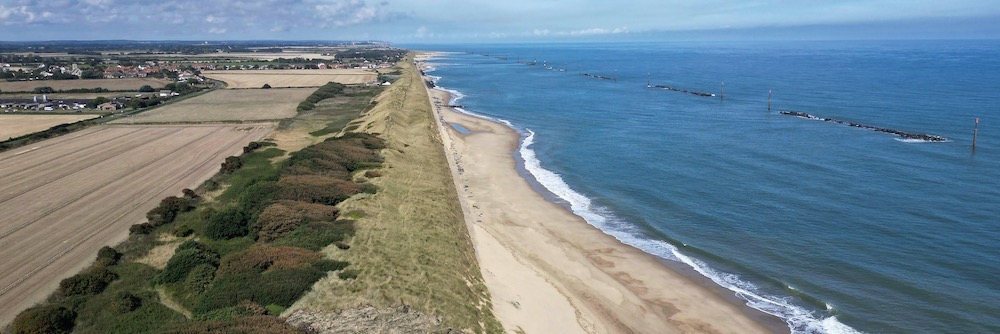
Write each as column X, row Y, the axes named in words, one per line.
column 547, row 270
column 18, row 125
column 63, row 199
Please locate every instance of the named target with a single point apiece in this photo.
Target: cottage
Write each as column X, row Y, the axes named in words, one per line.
column 106, row 106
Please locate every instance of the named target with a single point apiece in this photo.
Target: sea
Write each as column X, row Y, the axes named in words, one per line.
column 832, row 227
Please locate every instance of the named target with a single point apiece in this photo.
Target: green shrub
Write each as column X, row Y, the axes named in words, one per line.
column 107, row 256
column 261, row 258
column 168, row 209
column 86, row 283
column 200, row 278
column 184, row 261
column 255, row 197
column 227, row 224
column 317, row 235
column 44, row 319
column 280, row 287
column 144, row 228
column 125, row 302
column 373, row 174
column 230, row 165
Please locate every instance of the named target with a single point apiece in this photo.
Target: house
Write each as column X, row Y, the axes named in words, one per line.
column 107, row 106
column 321, row 66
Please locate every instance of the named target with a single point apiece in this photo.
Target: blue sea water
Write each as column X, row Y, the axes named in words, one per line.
column 835, row 229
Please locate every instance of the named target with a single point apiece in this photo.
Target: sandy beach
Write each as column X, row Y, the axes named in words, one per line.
column 547, row 270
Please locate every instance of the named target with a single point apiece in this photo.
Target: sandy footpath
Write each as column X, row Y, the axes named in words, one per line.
column 547, row 270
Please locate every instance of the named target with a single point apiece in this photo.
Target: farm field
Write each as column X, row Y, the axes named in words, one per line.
column 73, row 96
column 110, row 84
column 291, row 78
column 18, row 125
column 227, row 105
column 63, row 199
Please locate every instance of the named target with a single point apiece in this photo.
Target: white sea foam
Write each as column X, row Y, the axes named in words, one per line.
column 799, row 319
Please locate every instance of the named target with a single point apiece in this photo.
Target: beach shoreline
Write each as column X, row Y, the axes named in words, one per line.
column 548, row 270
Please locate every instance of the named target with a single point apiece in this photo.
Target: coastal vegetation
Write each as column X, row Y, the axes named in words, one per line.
column 364, row 211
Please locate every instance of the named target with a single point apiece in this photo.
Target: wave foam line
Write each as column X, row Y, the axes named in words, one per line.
column 799, row 320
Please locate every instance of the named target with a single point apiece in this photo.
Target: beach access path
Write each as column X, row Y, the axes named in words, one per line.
column 547, row 270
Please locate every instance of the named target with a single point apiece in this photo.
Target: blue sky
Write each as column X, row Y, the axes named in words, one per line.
column 443, row 21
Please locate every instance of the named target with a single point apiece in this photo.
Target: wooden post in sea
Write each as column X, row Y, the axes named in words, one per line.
column 722, row 93
column 975, row 133
column 769, row 100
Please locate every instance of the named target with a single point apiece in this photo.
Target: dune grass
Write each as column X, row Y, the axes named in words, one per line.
column 411, row 246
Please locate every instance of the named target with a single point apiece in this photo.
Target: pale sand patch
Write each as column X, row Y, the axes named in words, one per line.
column 161, row 254
column 563, row 274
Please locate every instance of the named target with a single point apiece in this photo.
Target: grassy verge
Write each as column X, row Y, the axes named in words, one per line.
column 411, row 245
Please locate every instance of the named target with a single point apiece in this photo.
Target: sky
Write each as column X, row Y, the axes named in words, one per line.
column 463, row 21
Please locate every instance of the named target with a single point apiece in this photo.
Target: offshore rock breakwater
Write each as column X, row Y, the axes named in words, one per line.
column 902, row 134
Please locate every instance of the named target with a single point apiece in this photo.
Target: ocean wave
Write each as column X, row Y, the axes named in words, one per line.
column 799, row 320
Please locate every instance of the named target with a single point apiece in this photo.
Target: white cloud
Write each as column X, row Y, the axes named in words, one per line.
column 423, row 32
column 581, row 32
column 223, row 15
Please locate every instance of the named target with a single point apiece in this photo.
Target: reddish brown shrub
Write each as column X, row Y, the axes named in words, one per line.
column 283, row 217
column 267, row 258
column 316, row 189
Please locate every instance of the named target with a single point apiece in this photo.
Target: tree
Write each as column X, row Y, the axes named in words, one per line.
column 44, row 319
column 96, row 102
column 44, row 90
column 146, row 89
column 266, row 86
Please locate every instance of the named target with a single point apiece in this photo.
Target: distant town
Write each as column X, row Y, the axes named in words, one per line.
column 117, row 75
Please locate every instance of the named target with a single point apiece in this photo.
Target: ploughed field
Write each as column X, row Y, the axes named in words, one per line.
column 227, row 105
column 63, row 199
column 291, row 78
column 12, row 126
column 110, row 84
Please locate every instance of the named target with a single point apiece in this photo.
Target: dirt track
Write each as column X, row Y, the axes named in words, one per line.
column 63, row 199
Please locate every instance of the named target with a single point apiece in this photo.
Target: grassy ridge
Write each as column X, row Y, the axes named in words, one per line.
column 411, row 245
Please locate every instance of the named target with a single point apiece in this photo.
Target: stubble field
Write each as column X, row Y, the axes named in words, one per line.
column 291, row 78
column 110, row 84
column 227, row 105
column 63, row 199
column 18, row 125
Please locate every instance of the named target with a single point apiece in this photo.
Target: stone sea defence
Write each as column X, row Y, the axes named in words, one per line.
column 902, row 134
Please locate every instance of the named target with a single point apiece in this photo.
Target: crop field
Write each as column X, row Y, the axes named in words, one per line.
column 63, row 199
column 18, row 125
column 110, row 84
column 227, row 105
column 72, row 96
column 291, row 78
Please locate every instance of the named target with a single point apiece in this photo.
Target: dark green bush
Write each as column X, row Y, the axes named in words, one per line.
column 280, row 287
column 184, row 261
column 125, row 302
column 317, row 235
column 199, row 279
column 168, row 209
column 86, row 283
column 44, row 319
column 107, row 256
column 227, row 224
column 257, row 196
column 231, row 165
column 144, row 228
